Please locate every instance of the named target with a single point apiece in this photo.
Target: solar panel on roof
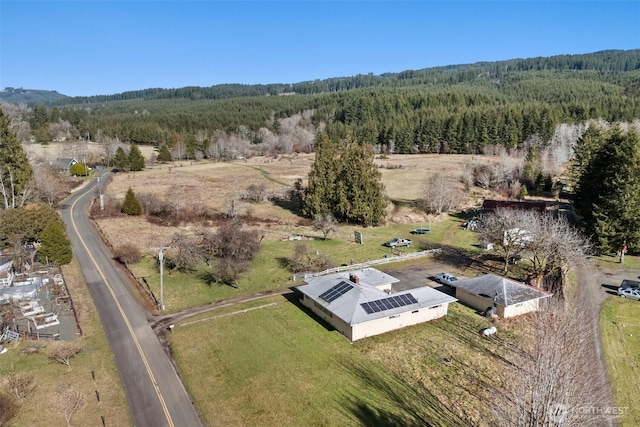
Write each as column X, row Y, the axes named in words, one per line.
column 388, row 303
column 336, row 292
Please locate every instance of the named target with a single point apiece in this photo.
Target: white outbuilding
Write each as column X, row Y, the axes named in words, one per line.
column 506, row 297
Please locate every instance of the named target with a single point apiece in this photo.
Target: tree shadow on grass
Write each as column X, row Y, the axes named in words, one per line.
column 401, row 404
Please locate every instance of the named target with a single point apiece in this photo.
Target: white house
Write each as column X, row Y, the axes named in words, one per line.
column 360, row 303
column 509, row 298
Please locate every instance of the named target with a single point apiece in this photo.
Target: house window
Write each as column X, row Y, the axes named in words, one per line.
column 394, row 316
column 435, row 306
column 415, row 311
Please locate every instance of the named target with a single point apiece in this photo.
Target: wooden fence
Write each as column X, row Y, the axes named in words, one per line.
column 404, row 257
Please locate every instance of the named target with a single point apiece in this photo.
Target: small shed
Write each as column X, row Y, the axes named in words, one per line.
column 508, row 297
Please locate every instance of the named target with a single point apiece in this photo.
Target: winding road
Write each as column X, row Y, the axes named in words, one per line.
column 153, row 388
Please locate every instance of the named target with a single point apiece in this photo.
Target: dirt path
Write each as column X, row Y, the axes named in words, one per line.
column 595, row 285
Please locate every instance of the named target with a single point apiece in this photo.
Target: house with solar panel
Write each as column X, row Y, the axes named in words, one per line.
column 505, row 297
column 360, row 303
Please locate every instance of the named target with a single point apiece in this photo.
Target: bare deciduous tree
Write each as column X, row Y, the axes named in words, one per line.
column 50, row 187
column 554, row 245
column 232, row 198
column 551, row 379
column 325, row 223
column 61, row 130
column 505, row 229
column 8, row 190
column 185, row 253
column 67, row 402
column 255, row 192
column 304, row 259
column 232, row 248
column 175, row 197
column 555, row 248
column 439, row 196
column 63, row 351
column 21, row 385
column 128, row 253
column 9, row 407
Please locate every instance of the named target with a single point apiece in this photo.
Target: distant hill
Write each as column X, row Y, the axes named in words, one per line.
column 605, row 65
column 30, row 96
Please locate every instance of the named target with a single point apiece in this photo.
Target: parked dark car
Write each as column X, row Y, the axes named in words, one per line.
column 421, row 231
column 514, row 259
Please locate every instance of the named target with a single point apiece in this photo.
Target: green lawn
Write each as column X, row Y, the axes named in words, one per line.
column 620, row 326
column 278, row 365
column 269, row 269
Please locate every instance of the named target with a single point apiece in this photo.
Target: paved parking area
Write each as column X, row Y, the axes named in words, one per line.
column 417, row 277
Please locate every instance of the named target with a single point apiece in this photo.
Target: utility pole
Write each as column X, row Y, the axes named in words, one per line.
column 161, row 259
column 101, row 196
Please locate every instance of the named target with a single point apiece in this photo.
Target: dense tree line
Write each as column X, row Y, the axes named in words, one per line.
column 607, row 194
column 606, row 62
column 456, row 109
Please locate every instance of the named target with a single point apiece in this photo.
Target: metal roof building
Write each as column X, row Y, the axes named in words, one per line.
column 509, row 297
column 359, row 303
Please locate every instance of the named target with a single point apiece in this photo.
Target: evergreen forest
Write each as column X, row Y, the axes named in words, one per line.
column 450, row 109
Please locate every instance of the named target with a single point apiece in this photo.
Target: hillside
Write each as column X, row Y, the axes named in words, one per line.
column 458, row 109
column 30, row 96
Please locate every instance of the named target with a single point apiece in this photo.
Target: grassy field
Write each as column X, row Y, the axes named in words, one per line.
column 620, row 326
column 269, row 270
column 93, row 372
column 278, row 365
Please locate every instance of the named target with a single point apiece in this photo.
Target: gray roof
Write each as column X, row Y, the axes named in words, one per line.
column 494, row 287
column 348, row 306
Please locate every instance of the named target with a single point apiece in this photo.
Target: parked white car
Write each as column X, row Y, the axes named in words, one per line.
column 445, row 278
column 397, row 242
column 633, row 293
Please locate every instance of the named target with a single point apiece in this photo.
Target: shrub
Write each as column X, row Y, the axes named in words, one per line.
column 79, row 169
column 131, row 205
column 128, row 253
column 9, row 407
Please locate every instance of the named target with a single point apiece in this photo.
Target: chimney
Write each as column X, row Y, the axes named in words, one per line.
column 355, row 279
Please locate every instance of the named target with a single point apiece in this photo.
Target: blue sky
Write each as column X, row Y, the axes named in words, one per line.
column 93, row 47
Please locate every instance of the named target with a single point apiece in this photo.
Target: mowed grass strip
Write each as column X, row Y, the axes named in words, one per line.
column 620, row 328
column 279, row 365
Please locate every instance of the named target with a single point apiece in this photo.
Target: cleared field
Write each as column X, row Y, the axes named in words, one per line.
column 620, row 327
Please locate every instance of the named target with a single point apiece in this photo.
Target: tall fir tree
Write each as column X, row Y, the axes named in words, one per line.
column 136, row 159
column 322, row 179
column 345, row 182
column 15, row 172
column 131, row 204
column 55, row 246
column 164, row 155
column 608, row 193
column 121, row 160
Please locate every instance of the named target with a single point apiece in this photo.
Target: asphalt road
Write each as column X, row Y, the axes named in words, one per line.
column 154, row 391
